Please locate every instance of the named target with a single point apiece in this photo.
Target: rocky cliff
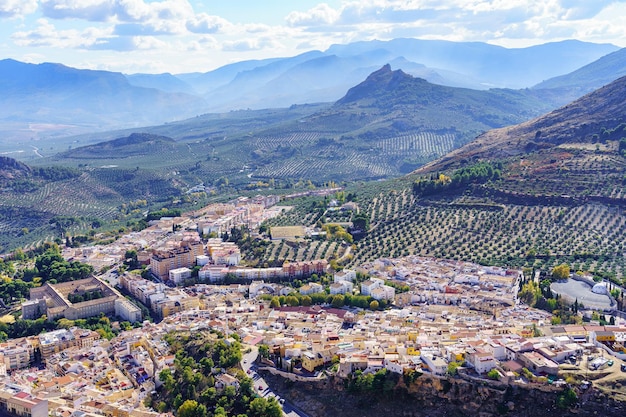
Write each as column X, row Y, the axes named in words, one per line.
column 434, row 397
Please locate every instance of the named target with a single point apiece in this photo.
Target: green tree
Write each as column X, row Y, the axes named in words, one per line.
column 260, row 407
column 374, row 305
column 453, row 368
column 530, row 293
column 494, row 374
column 191, row 408
column 560, row 272
column 338, row 301
column 275, row 302
column 264, row 351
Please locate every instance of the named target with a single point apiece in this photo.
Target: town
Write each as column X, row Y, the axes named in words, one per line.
column 448, row 319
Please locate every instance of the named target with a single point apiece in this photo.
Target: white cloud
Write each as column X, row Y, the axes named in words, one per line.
column 91, row 10
column 204, row 23
column 17, row 8
column 46, row 35
column 320, row 15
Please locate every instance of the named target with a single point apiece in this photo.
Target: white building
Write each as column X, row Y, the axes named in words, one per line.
column 345, row 275
column 437, row 365
column 384, row 292
column 341, row 287
column 127, row 310
column 312, row 288
column 481, row 361
column 368, row 286
column 178, row 275
column 202, row 260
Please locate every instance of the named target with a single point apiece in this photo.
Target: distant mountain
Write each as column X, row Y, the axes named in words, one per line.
column 318, row 76
column 52, row 100
column 491, row 65
column 323, row 77
column 56, row 94
column 398, row 99
column 204, row 82
column 164, row 82
column 590, row 77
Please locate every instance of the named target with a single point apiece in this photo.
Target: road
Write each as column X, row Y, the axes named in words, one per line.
column 262, row 388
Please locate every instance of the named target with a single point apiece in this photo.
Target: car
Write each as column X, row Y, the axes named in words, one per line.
column 248, row 371
column 282, row 401
column 260, row 388
column 623, row 367
column 610, row 363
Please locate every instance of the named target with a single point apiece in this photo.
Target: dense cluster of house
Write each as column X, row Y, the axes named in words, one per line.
column 447, row 312
column 98, row 377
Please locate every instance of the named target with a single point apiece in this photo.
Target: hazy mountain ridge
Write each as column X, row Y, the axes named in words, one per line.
column 70, row 100
column 591, row 76
column 56, row 94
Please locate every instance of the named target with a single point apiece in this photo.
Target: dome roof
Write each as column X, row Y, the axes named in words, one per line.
column 600, row 288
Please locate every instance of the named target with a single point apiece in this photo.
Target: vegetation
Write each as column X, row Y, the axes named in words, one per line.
column 189, row 389
column 474, row 174
column 378, row 384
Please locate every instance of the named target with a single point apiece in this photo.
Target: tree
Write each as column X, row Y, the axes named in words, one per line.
column 530, row 293
column 191, row 408
column 374, row 305
column 260, row 407
column 264, row 351
column 453, row 368
column 561, row 272
column 338, row 301
column 130, row 259
column 494, row 374
column 275, row 302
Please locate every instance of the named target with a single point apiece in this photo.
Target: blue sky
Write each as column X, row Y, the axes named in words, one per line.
column 155, row 36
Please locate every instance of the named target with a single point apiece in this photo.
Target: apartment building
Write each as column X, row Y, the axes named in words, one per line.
column 182, row 255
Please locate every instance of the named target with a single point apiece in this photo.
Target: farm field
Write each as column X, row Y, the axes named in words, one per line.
column 588, row 236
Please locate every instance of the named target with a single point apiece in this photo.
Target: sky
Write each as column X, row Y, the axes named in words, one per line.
column 182, row 36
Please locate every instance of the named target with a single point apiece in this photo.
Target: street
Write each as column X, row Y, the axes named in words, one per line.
column 249, row 366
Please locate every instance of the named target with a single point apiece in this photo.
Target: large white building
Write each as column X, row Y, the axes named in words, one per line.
column 178, row 275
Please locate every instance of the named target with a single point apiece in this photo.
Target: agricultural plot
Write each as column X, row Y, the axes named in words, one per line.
column 305, row 250
column 324, row 159
column 587, row 237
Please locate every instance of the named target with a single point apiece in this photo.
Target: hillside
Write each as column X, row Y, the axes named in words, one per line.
column 132, row 146
column 591, row 76
column 583, row 123
column 538, row 194
column 544, row 192
column 11, row 169
column 384, row 127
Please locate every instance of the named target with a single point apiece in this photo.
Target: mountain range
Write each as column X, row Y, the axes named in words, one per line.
column 51, row 100
column 384, row 126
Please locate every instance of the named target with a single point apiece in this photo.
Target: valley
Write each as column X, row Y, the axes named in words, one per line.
column 397, row 234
